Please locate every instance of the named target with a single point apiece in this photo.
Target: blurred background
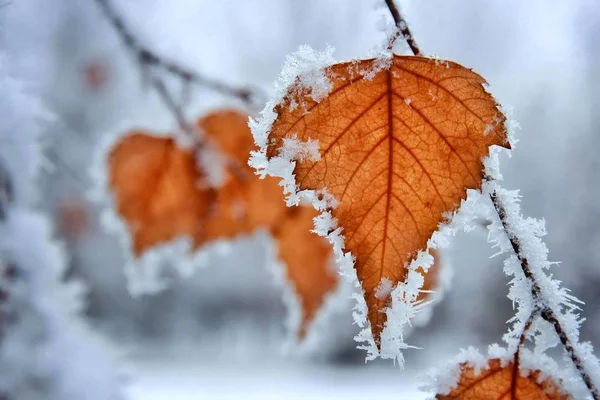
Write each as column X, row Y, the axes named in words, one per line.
column 219, row 333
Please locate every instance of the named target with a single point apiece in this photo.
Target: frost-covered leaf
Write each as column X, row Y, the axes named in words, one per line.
column 496, row 381
column 243, row 203
column 390, row 148
column 308, row 259
column 158, row 189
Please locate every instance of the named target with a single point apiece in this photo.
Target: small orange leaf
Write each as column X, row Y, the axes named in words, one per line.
column 158, row 192
column 157, row 189
column 228, row 130
column 308, row 257
column 498, row 383
column 245, row 202
column 398, row 151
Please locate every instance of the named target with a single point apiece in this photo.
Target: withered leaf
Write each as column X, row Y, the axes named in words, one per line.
column 398, row 151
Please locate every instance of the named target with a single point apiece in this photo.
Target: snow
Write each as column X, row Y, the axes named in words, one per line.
column 186, row 378
column 47, row 351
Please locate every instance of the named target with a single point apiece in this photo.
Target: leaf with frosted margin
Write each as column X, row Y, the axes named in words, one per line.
column 497, row 382
column 157, row 190
column 399, row 147
column 244, row 203
column 307, row 257
column 159, row 193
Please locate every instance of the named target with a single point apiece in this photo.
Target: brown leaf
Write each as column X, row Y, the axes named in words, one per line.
column 73, row 219
column 498, row 383
column 96, row 74
column 308, row 258
column 245, row 202
column 398, row 151
column 157, row 189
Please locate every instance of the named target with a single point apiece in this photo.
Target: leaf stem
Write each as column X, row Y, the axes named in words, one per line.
column 517, row 356
column 402, row 29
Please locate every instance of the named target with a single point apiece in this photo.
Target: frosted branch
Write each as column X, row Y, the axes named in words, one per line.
column 540, row 297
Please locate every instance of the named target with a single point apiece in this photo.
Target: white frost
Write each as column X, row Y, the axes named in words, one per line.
column 47, row 351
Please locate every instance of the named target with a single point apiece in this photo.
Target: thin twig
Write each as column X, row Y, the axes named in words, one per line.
column 171, row 104
column 6, row 191
column 147, row 58
column 547, row 313
column 403, row 29
column 517, row 356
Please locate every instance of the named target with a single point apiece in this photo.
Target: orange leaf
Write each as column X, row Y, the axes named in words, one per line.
column 245, row 202
column 307, row 257
column 498, row 383
column 398, row 151
column 158, row 192
column 157, row 189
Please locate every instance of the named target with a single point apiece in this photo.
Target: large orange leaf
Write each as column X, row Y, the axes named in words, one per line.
column 501, row 383
column 399, row 149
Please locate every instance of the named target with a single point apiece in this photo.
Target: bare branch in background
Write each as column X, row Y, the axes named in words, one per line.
column 251, row 97
column 6, row 191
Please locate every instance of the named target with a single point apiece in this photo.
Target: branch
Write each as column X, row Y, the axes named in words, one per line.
column 402, row 29
column 6, row 191
column 547, row 313
column 517, row 356
column 251, row 97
